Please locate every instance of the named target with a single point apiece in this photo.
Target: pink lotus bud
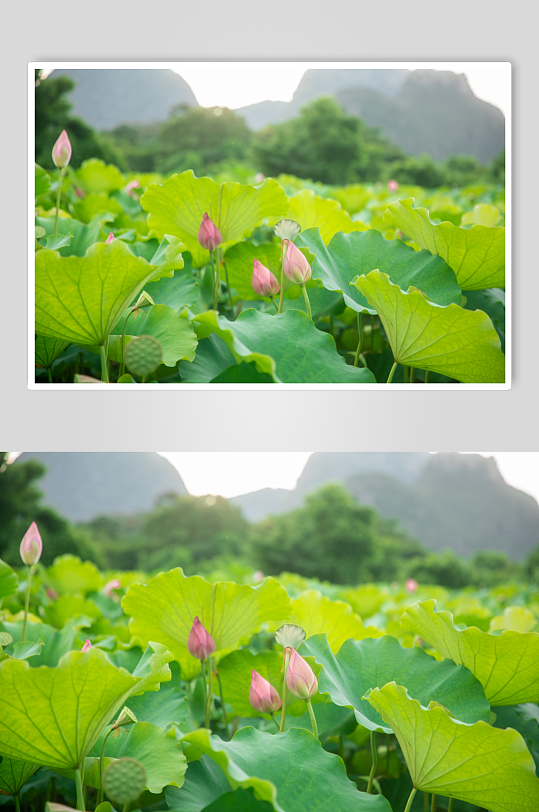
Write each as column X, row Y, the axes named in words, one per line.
column 110, row 238
column 392, row 185
column 109, row 588
column 209, row 235
column 133, row 184
column 258, row 576
column 79, row 192
column 296, row 266
column 61, row 151
column 31, row 545
column 87, row 645
column 259, row 177
column 263, row 696
column 52, row 594
column 300, row 677
column 200, row 643
column 411, row 585
column 264, row 282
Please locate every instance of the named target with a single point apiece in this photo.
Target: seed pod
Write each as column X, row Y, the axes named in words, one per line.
column 124, row 780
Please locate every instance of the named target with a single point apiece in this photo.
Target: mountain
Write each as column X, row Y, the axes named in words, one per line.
column 324, row 467
column 322, row 82
column 82, row 485
column 459, row 501
column 421, row 111
column 105, row 98
column 434, row 112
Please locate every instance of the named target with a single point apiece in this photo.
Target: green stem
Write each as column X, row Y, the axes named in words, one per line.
column 433, row 803
column 122, row 365
column 104, row 367
column 49, row 373
column 405, row 374
column 427, row 375
column 283, row 706
column 274, row 305
column 411, row 374
column 78, row 784
column 210, row 686
column 393, row 368
column 228, row 288
column 313, row 718
column 425, row 802
column 307, row 302
column 60, row 173
column 284, row 248
column 410, row 800
column 17, row 803
column 205, row 692
column 215, row 272
column 275, row 720
column 100, row 794
column 388, row 741
column 359, row 339
column 126, row 806
column 450, row 805
column 27, row 602
column 223, row 704
column 374, row 761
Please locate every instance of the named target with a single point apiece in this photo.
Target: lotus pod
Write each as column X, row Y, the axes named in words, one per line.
column 143, row 355
column 5, row 639
column 124, row 780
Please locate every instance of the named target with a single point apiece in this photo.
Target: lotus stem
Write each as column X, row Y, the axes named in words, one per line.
column 313, row 718
column 284, row 247
column 26, row 602
column 222, row 704
column 359, row 339
column 450, row 805
column 229, row 291
column 275, row 720
column 425, row 802
column 374, row 761
column 427, row 375
column 410, row 800
column 60, row 174
column 104, row 366
column 209, row 696
column 433, row 803
column 273, row 303
column 17, row 803
column 203, row 670
column 100, row 793
column 283, row 706
column 411, row 374
column 307, row 302
column 393, row 368
column 80, row 794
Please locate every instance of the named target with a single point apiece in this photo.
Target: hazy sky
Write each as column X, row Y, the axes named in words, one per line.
column 236, row 84
column 232, row 473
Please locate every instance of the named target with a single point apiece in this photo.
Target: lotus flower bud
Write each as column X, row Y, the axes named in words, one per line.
column 133, row 184
column 200, row 643
column 264, row 282
column 300, row 677
column 258, row 576
column 392, row 185
column 110, row 238
column 126, row 717
column 144, row 300
column 209, row 235
column 287, row 229
column 259, row 177
column 296, row 266
column 87, row 645
column 52, row 594
column 290, row 635
column 109, row 588
column 61, row 151
column 31, row 545
column 411, row 585
column 263, row 696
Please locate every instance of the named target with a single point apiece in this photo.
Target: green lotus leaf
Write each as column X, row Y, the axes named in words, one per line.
column 350, row 255
column 312, row 211
column 93, row 204
column 177, row 292
column 84, row 234
column 53, row 716
column 14, row 774
column 9, row 580
column 506, row 665
column 207, row 788
column 459, row 343
column 287, row 346
column 169, row 254
column 164, row 610
column 23, row 651
column 482, row 214
column 48, row 349
column 56, row 642
column 474, row 763
column 178, row 206
column 361, row 665
column 317, row 615
column 516, row 618
column 80, row 299
column 56, row 241
column 57, row 613
column 268, row 763
column 161, row 755
column 164, row 707
column 95, row 176
column 42, row 181
column 522, row 718
column 69, row 575
column 476, row 254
